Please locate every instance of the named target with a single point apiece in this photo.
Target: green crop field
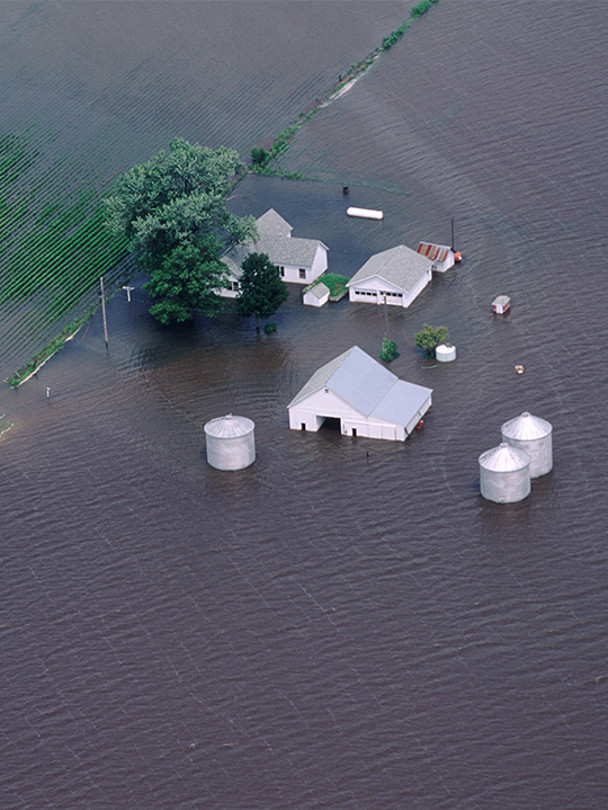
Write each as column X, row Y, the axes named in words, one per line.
column 54, row 245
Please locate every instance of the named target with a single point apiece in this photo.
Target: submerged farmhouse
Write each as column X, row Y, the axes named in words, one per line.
column 299, row 260
column 395, row 276
column 364, row 396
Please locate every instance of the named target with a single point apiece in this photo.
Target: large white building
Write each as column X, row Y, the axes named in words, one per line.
column 395, row 276
column 299, row 260
column 366, row 398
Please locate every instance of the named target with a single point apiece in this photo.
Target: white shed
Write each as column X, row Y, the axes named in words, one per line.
column 501, row 304
column 317, row 295
column 442, row 256
column 300, row 261
column 395, row 276
column 366, row 398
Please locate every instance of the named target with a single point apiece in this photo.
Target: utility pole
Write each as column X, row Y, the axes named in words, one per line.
column 385, row 317
column 103, row 312
column 129, row 290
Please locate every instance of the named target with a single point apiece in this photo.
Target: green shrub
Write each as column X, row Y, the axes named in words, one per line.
column 389, row 350
column 270, row 327
column 259, row 156
column 421, row 8
column 430, row 337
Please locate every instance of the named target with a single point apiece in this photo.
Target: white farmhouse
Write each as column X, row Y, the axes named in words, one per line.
column 442, row 256
column 394, row 276
column 366, row 398
column 299, row 260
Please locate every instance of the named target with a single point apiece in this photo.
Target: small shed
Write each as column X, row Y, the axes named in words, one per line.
column 362, row 396
column 317, row 295
column 501, row 304
column 395, row 276
column 442, row 256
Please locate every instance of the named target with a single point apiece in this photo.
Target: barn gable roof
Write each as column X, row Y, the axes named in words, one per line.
column 367, row 386
column 400, row 266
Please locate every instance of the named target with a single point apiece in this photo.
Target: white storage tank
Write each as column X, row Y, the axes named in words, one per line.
column 445, row 352
column 504, row 474
column 230, row 442
column 534, row 436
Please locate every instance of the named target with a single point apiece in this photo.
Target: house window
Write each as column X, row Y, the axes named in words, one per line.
column 302, row 272
column 236, row 286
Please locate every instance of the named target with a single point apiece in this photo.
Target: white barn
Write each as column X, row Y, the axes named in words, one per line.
column 442, row 256
column 395, row 276
column 299, row 260
column 366, row 398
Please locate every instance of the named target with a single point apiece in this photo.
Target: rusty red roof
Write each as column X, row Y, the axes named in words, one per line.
column 433, row 252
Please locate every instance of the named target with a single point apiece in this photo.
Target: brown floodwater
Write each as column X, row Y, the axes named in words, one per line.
column 346, row 623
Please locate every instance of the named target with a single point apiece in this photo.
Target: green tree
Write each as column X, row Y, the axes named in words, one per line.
column 187, row 279
column 388, row 351
column 174, row 200
column 262, row 291
column 430, row 337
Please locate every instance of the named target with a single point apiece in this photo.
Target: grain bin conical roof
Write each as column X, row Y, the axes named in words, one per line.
column 229, row 426
column 526, row 427
column 503, row 458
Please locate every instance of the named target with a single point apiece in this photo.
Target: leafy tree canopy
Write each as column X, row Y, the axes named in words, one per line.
column 187, row 279
column 262, row 291
column 172, row 210
column 430, row 337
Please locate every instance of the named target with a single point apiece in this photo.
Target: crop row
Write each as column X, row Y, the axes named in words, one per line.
column 54, row 245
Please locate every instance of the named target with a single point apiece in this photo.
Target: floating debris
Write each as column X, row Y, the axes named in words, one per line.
column 364, row 213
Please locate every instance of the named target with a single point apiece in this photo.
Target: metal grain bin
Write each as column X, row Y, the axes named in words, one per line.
column 230, row 442
column 534, row 436
column 504, row 474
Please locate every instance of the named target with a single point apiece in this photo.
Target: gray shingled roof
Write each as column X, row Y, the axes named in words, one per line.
column 400, row 266
column 275, row 241
column 319, row 290
column 367, row 386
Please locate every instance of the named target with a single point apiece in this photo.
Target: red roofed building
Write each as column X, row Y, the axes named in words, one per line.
column 442, row 256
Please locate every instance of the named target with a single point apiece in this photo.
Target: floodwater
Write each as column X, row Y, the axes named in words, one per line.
column 346, row 623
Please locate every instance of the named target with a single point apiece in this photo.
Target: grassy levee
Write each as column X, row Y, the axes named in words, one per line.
column 54, row 247
column 268, row 162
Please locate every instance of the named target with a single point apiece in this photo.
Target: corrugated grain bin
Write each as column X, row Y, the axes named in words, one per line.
column 230, row 442
column 534, row 436
column 504, row 474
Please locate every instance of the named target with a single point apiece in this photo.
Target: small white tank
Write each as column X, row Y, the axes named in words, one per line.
column 504, row 474
column 230, row 442
column 445, row 352
column 533, row 435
